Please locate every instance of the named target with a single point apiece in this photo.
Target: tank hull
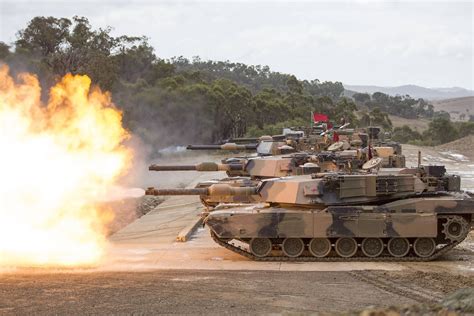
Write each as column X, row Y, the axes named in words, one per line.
column 423, row 228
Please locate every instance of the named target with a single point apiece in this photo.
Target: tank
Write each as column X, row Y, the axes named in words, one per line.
column 312, row 141
column 253, row 167
column 246, row 171
column 404, row 214
column 289, row 141
column 262, row 148
column 292, row 164
column 226, row 146
column 288, row 133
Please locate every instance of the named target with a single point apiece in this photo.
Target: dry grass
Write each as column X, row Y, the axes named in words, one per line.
column 463, row 145
column 418, row 124
column 456, row 107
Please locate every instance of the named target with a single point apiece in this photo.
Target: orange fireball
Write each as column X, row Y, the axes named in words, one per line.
column 56, row 161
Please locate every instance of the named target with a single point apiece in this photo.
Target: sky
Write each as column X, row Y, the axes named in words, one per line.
column 364, row 42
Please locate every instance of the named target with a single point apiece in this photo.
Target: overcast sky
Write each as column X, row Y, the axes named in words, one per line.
column 360, row 42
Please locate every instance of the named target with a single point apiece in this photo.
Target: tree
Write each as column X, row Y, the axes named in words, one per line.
column 361, row 98
column 294, row 85
column 441, row 130
column 232, row 104
column 442, row 114
column 73, row 46
column 4, row 50
column 333, row 90
column 43, row 35
column 376, row 117
column 465, row 128
column 135, row 60
column 344, row 108
column 269, row 108
column 403, row 106
column 405, row 134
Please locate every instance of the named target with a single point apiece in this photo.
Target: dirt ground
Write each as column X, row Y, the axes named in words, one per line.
column 218, row 292
column 463, row 145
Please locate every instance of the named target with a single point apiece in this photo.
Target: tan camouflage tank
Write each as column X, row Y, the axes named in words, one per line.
column 308, row 141
column 289, row 141
column 265, row 147
column 246, row 171
column 406, row 214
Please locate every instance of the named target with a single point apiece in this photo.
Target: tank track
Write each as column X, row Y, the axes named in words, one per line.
column 384, row 257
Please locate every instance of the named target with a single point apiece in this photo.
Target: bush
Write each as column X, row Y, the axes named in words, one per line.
column 405, row 134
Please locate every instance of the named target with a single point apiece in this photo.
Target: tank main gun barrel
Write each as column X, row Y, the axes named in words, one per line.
column 226, row 146
column 195, row 191
column 157, row 167
column 243, row 139
column 204, row 166
column 240, row 140
column 213, row 190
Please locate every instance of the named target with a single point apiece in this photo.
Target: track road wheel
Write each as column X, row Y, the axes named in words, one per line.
column 260, row 247
column 424, row 247
column 372, row 247
column 320, row 247
column 398, row 247
column 292, row 247
column 346, row 247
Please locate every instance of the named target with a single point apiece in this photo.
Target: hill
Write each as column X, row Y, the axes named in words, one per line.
column 460, row 109
column 414, row 91
column 463, row 145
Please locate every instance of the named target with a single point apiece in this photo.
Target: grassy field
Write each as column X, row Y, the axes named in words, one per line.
column 419, row 124
column 456, row 107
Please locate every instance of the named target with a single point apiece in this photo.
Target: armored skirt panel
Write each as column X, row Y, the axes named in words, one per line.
column 331, row 222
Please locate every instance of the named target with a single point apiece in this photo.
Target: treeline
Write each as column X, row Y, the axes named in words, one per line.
column 440, row 130
column 179, row 101
column 170, row 101
column 403, row 106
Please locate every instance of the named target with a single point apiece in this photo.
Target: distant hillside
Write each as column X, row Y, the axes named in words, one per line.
column 415, row 91
column 460, row 109
column 418, row 124
column 348, row 93
column 463, row 145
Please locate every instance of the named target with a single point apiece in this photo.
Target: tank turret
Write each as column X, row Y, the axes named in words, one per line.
column 336, row 188
column 253, row 167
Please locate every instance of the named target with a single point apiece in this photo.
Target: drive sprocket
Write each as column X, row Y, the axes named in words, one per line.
column 455, row 228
